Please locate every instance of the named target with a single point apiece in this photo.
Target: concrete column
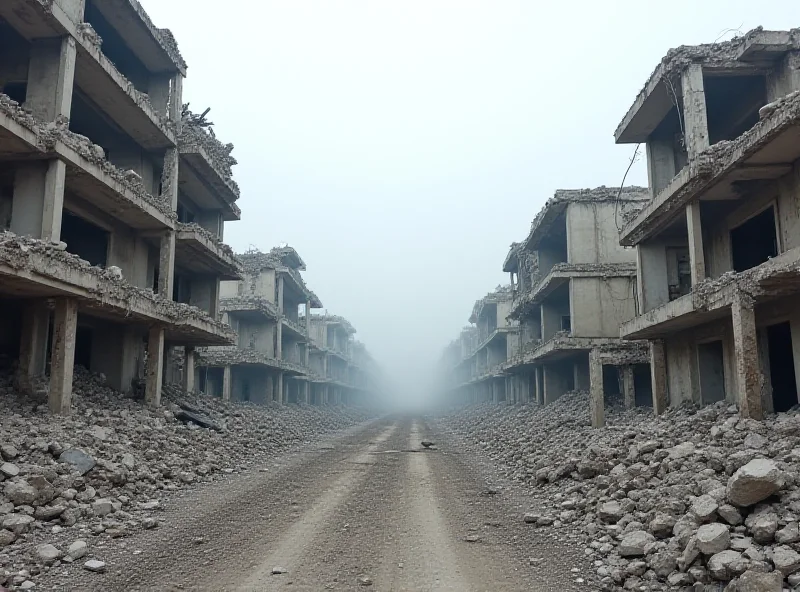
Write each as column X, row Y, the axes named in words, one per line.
column 660, row 164
column 63, row 356
column 166, row 95
column 155, row 366
column 597, row 394
column 745, row 342
column 795, row 329
column 628, row 388
column 695, row 118
column 307, row 392
column 270, row 389
column 226, row 383
column 537, row 385
column 51, row 73
column 38, row 199
column 166, row 265
column 279, row 339
column 279, row 389
column 188, row 369
column 785, row 78
column 697, row 258
column 169, row 177
column 280, row 294
column 658, row 375
column 33, row 344
column 308, row 319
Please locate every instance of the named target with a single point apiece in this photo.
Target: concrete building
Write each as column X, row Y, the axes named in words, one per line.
column 718, row 244
column 484, row 347
column 331, row 359
column 271, row 359
column 120, row 194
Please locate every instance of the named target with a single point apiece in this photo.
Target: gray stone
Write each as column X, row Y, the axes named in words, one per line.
column 21, row 494
column 763, row 527
column 705, row 508
column 635, row 543
column 713, row 538
column 730, row 514
column 9, row 470
column 276, row 571
column 786, row 560
column 755, row 482
column 8, row 452
column 95, row 566
column 753, row 581
column 681, row 450
column 610, row 512
column 6, row 537
column 77, row 550
column 47, row 513
column 102, row 507
column 788, row 534
column 17, row 523
column 662, row 524
column 81, row 462
column 47, row 553
column 755, row 441
column 719, row 565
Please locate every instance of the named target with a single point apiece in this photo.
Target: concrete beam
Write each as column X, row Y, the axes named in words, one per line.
column 166, row 264
column 658, row 375
column 597, row 398
column 62, row 361
column 279, row 387
column 697, row 260
column 695, row 117
column 155, row 366
column 745, row 343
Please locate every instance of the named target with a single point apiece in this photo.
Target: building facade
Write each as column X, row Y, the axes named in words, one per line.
column 113, row 200
column 718, row 248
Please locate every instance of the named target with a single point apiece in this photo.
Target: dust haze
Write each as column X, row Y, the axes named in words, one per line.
column 400, row 147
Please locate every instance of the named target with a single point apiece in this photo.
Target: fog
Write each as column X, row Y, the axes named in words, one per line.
column 401, row 147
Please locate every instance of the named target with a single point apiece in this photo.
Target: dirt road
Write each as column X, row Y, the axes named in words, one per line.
column 368, row 509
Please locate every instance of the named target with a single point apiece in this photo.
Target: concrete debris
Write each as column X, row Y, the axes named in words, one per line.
column 116, row 485
column 192, row 135
column 209, row 236
column 652, row 497
column 87, row 31
column 95, row 566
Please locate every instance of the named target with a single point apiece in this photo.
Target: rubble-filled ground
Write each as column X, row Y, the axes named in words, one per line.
column 69, row 485
column 696, row 499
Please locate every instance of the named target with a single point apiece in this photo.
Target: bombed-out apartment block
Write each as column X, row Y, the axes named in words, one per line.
column 574, row 285
column 270, row 360
column 718, row 244
column 113, row 199
column 484, row 347
column 331, row 359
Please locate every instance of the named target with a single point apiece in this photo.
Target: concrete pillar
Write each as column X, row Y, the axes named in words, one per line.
column 628, row 387
column 280, row 294
column 537, row 385
column 307, row 392
column 155, row 366
column 308, row 319
column 270, row 389
column 658, row 376
column 51, row 73
column 166, row 95
column 697, row 259
column 745, row 342
column 166, row 265
column 169, row 177
column 596, row 390
column 38, row 199
column 695, row 118
column 226, row 383
column 63, row 356
column 661, row 166
column 279, row 389
column 785, row 77
column 33, row 344
column 188, row 369
column 279, row 339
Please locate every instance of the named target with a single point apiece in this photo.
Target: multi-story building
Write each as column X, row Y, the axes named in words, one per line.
column 270, row 361
column 121, row 199
column 485, row 347
column 574, row 285
column 330, row 358
column 718, row 247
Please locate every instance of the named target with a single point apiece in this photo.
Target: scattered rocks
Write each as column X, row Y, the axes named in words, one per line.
column 47, row 553
column 713, row 538
column 755, row 482
column 95, row 566
column 635, row 544
column 77, row 550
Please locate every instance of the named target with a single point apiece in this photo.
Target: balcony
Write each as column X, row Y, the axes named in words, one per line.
column 205, row 172
column 254, row 307
column 200, row 252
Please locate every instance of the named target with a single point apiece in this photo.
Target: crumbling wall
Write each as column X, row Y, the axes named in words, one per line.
column 593, row 232
column 601, row 305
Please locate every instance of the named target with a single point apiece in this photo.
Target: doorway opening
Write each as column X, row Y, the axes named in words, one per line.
column 781, row 367
column 711, row 364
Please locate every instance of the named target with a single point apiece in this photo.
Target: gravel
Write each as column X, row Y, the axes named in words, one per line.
column 697, row 499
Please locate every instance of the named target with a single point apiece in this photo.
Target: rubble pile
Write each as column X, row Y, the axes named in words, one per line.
column 193, row 134
column 696, row 499
column 209, row 236
column 69, row 483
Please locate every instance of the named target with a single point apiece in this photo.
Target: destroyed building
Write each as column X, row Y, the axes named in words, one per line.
column 331, row 359
column 270, row 361
column 113, row 199
column 718, row 247
column 485, row 347
column 572, row 285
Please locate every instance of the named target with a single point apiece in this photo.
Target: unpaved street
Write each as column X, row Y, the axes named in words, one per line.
column 367, row 506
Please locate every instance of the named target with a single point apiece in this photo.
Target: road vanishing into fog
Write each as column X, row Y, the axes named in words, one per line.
column 367, row 509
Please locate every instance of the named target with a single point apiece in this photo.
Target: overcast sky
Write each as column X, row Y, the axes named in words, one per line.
column 401, row 146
